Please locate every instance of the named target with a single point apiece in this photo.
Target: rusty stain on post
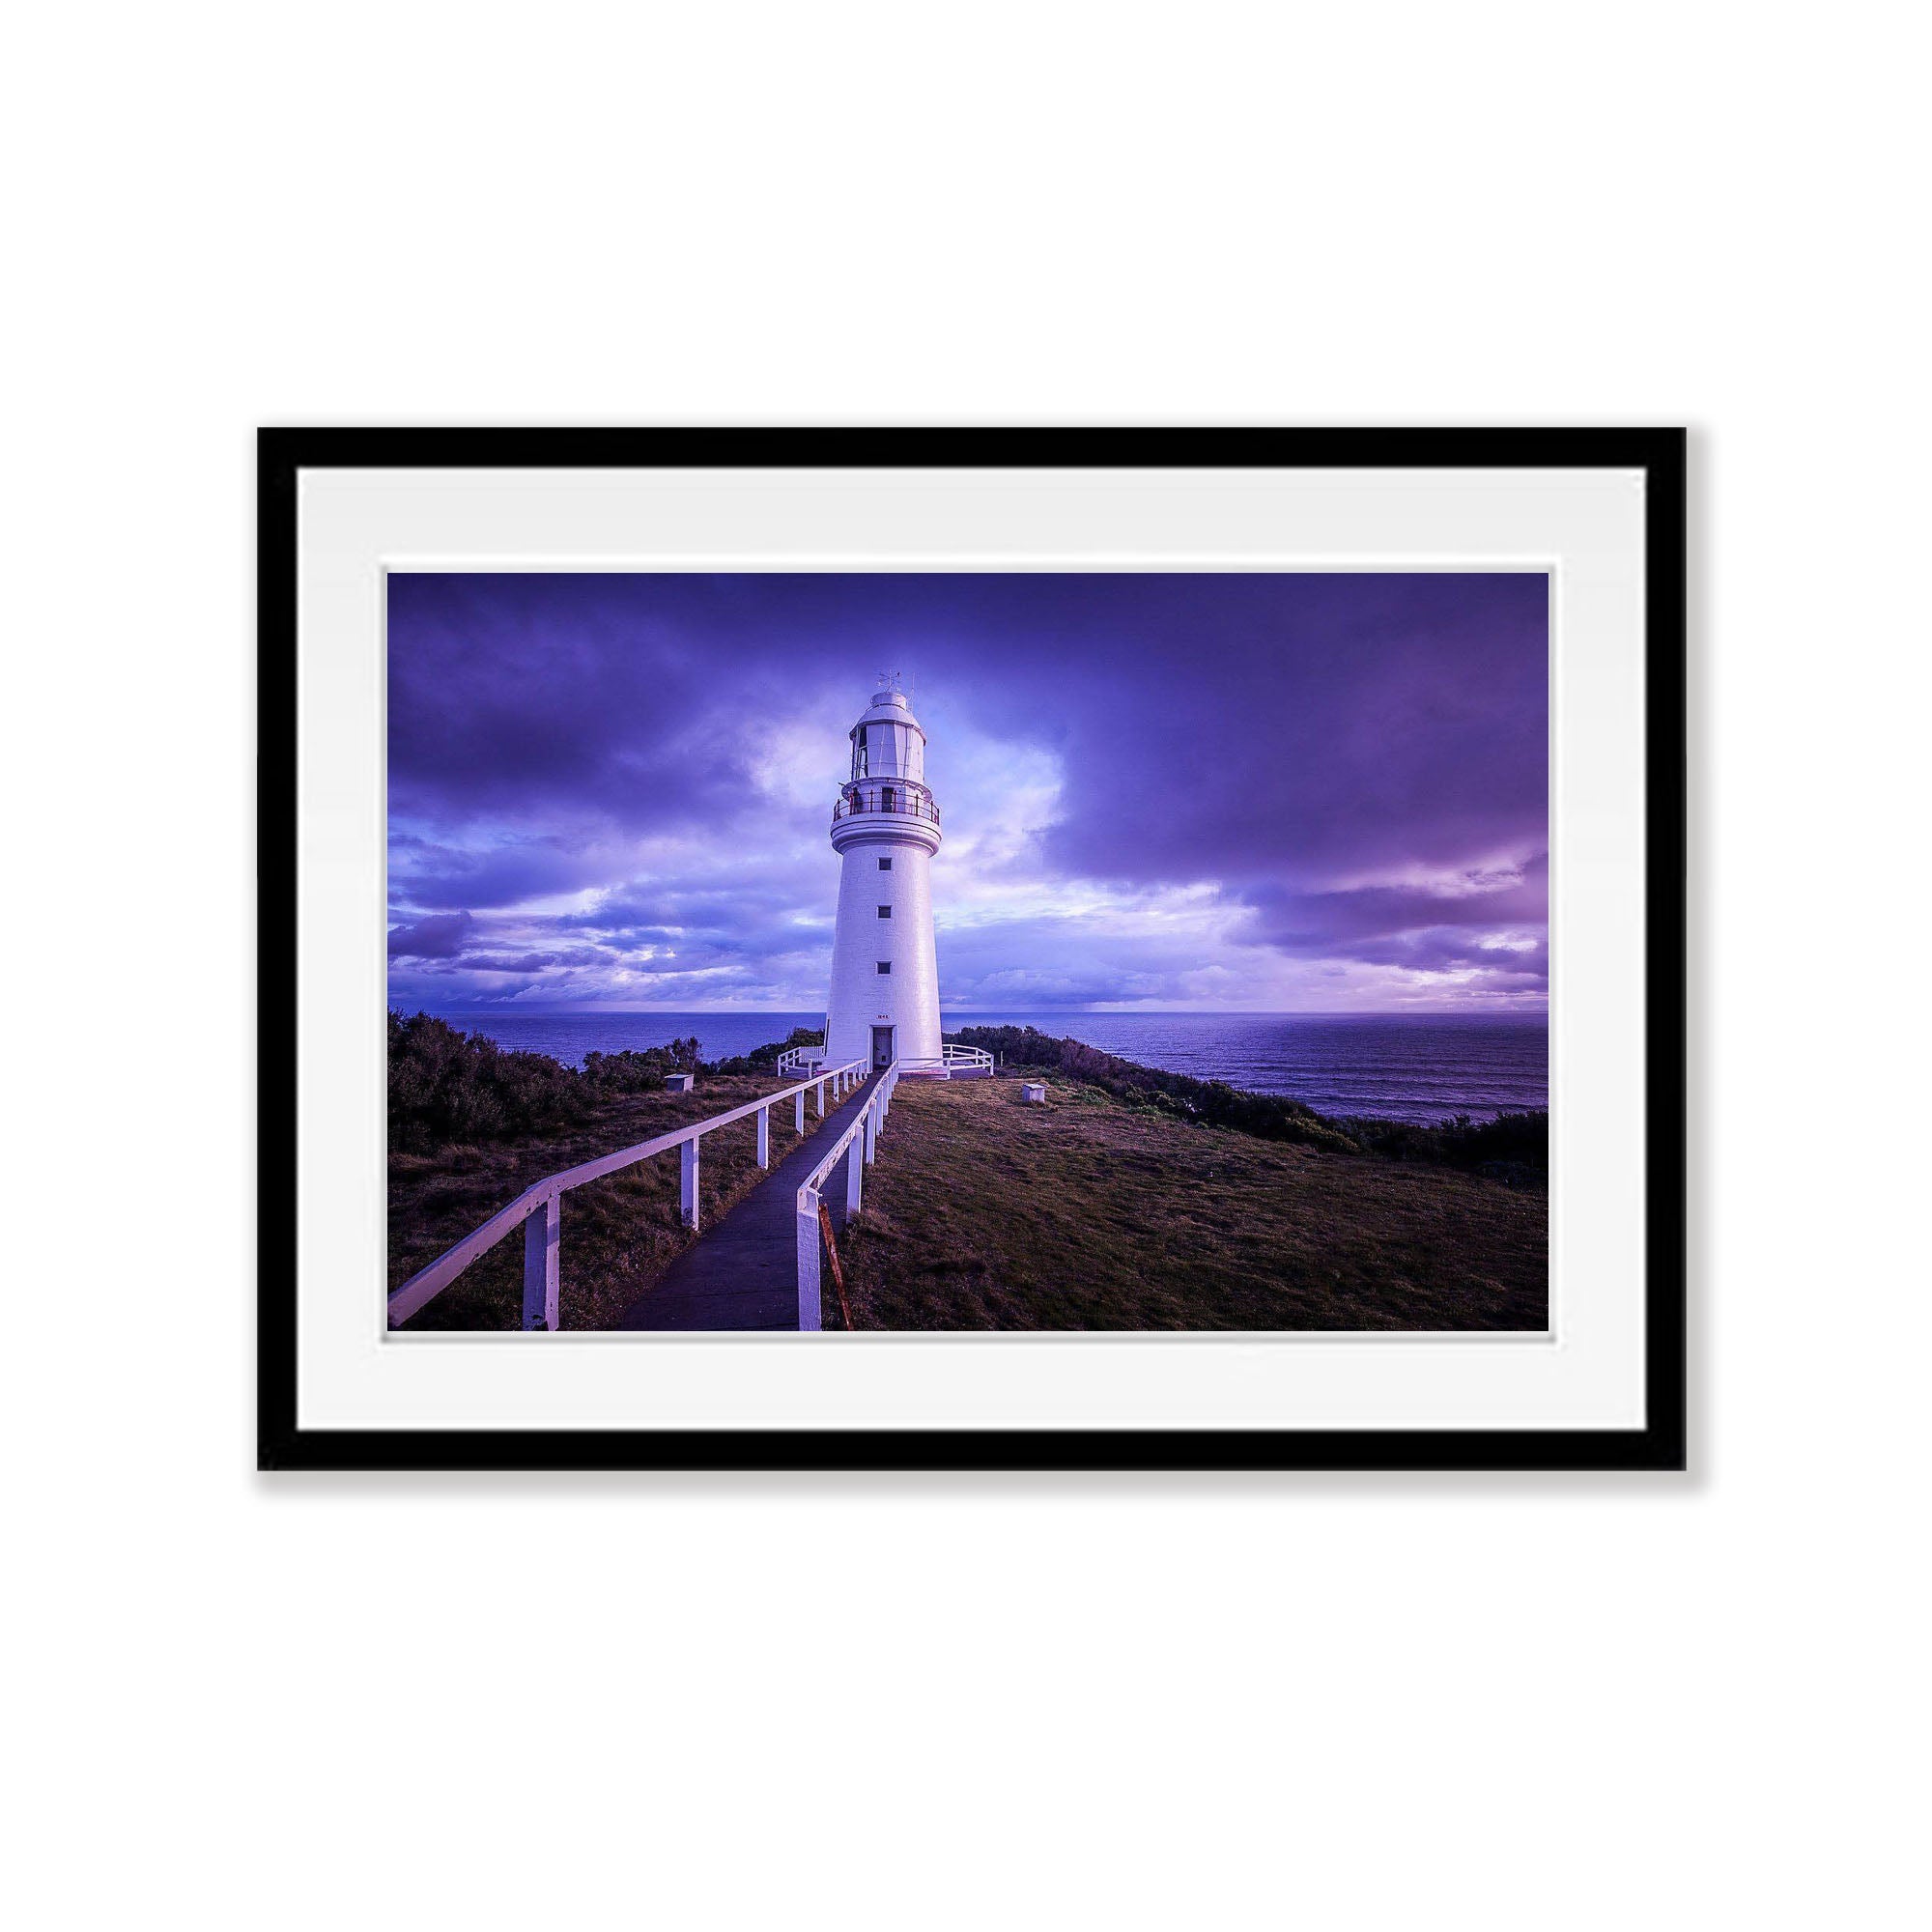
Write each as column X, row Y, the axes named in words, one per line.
column 832, row 1256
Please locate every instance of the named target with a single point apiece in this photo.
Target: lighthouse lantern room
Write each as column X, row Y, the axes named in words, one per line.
column 885, row 828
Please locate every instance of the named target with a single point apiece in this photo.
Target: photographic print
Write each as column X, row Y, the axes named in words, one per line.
column 992, row 952
column 973, row 949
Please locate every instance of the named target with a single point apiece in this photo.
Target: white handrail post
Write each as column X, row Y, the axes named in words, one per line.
column 807, row 1261
column 542, row 1242
column 819, row 1089
column 798, row 1110
column 686, row 1182
column 855, row 1179
column 871, row 1131
column 764, row 1137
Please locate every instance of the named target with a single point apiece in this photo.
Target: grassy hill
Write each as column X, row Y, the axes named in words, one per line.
column 1095, row 1212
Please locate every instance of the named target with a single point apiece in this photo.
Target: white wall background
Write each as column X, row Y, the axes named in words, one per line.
column 906, row 1702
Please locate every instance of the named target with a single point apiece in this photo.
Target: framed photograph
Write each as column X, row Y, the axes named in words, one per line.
column 972, row 949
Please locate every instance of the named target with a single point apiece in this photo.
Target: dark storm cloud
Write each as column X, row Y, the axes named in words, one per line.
column 1354, row 764
column 1319, row 725
column 645, row 905
column 441, row 936
column 511, row 874
column 1520, row 958
column 540, row 699
column 527, row 962
column 1342, row 921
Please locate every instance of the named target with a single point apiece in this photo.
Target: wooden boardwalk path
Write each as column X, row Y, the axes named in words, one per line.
column 741, row 1272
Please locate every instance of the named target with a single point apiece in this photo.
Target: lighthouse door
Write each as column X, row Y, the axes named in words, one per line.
column 882, row 1047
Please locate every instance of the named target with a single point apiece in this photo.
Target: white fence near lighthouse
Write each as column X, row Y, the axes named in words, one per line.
column 862, row 1138
column 960, row 1060
column 537, row 1212
column 952, row 1059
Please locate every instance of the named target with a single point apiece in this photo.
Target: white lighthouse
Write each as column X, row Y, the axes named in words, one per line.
column 885, row 828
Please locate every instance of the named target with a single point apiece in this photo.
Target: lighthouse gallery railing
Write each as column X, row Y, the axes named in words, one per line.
column 886, row 801
column 536, row 1210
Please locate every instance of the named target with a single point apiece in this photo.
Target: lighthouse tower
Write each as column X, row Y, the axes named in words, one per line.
column 885, row 828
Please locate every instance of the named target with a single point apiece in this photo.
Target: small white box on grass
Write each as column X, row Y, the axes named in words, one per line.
column 680, row 1083
column 1032, row 1093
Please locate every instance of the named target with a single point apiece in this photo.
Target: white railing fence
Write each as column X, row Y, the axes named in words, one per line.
column 952, row 1060
column 537, row 1209
column 862, row 1138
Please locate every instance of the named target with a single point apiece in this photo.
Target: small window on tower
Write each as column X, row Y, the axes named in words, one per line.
column 885, row 865
column 885, row 965
column 885, row 912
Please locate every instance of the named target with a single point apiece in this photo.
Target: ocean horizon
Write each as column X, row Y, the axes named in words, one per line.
column 1403, row 1067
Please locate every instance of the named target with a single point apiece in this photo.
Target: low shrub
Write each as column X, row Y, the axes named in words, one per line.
column 445, row 1085
column 639, row 1072
column 1514, row 1144
column 761, row 1058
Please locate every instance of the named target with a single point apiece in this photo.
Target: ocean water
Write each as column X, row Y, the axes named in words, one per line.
column 1401, row 1067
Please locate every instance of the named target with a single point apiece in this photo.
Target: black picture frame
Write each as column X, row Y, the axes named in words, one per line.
column 1660, row 1444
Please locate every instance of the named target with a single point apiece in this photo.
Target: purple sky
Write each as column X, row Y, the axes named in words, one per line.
column 1272, row 793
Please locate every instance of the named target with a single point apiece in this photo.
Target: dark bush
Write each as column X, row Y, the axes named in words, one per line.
column 634, row 1073
column 762, row 1059
column 1518, row 1142
column 450, row 1085
column 447, row 1086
